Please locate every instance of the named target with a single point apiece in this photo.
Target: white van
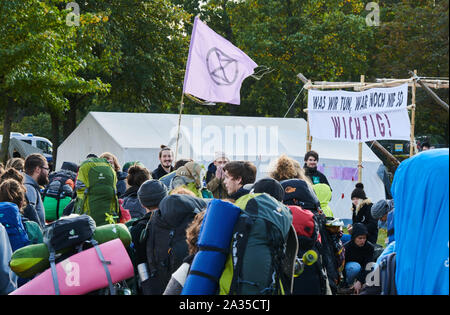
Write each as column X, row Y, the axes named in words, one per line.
column 39, row 142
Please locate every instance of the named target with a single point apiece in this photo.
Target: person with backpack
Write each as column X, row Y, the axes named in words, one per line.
column 300, row 193
column 166, row 159
column 36, row 175
column 11, row 192
column 191, row 176
column 60, row 191
column 178, row 278
column 237, row 175
column 8, row 279
column 121, row 176
column 165, row 239
column 149, row 194
column 359, row 252
column 288, row 168
column 269, row 186
column 96, row 189
column 137, row 175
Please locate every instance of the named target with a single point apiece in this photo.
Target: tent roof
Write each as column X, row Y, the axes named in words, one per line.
column 149, row 130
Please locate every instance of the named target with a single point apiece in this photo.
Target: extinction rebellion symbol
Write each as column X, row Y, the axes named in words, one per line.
column 222, row 69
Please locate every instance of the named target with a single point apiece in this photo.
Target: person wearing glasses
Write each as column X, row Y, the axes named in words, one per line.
column 36, row 175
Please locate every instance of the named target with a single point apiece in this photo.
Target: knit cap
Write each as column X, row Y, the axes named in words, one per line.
column 381, row 208
column 359, row 229
column 151, row 193
column 270, row 186
column 358, row 192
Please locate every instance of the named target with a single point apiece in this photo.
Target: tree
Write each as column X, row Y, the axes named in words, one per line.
column 38, row 64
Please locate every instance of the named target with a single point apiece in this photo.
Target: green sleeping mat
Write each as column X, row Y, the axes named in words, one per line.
column 30, row 260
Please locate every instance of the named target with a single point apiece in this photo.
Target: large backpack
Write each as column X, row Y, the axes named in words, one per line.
column 58, row 193
column 299, row 193
column 165, row 237
column 261, row 257
column 96, row 192
column 72, row 232
column 10, row 218
column 312, row 281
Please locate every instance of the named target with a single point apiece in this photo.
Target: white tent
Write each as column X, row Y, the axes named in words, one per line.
column 138, row 137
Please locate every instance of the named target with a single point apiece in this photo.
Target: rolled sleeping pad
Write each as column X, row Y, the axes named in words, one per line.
column 83, row 272
column 50, row 205
column 30, row 260
column 213, row 242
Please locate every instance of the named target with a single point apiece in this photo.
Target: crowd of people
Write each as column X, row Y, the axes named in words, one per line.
column 175, row 188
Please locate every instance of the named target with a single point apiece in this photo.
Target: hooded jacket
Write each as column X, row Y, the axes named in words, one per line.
column 131, row 202
column 362, row 214
column 323, row 193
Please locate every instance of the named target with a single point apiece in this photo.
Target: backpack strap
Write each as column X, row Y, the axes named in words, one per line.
column 239, row 245
column 52, row 260
column 105, row 263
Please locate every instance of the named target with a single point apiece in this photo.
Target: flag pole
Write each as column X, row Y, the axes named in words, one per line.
column 179, row 124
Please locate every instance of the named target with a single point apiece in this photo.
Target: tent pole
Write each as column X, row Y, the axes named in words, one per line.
column 412, row 143
column 360, row 144
column 308, row 133
column 179, row 123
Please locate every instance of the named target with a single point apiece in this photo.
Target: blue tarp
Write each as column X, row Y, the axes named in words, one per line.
column 421, row 193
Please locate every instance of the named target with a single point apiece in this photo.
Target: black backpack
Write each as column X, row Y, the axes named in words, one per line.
column 299, row 193
column 165, row 238
column 56, row 191
column 73, row 233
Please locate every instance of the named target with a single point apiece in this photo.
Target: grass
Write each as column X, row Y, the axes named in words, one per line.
column 382, row 234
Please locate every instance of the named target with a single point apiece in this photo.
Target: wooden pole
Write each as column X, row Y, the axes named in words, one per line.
column 360, row 144
column 179, row 124
column 412, row 143
column 308, row 133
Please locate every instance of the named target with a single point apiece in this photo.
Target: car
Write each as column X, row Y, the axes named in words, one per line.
column 38, row 142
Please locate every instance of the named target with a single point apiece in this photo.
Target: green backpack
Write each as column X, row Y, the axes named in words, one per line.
column 96, row 191
column 263, row 249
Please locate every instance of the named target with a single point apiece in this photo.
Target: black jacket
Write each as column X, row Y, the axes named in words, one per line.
column 361, row 255
column 160, row 172
column 121, row 185
column 363, row 215
column 238, row 194
column 315, row 176
column 131, row 202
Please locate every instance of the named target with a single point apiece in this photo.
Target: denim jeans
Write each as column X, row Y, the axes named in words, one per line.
column 352, row 269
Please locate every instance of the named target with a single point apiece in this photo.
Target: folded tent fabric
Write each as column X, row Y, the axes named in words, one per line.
column 421, row 196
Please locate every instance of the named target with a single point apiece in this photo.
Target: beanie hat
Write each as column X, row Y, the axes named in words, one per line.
column 381, row 208
column 269, row 186
column 151, row 193
column 358, row 192
column 359, row 229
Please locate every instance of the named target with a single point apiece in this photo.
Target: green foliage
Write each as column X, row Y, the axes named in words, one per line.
column 131, row 55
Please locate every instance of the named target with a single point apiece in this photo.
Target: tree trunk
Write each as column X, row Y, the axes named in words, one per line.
column 9, row 112
column 55, row 136
column 70, row 122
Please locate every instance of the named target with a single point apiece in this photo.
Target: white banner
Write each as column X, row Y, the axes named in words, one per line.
column 375, row 114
